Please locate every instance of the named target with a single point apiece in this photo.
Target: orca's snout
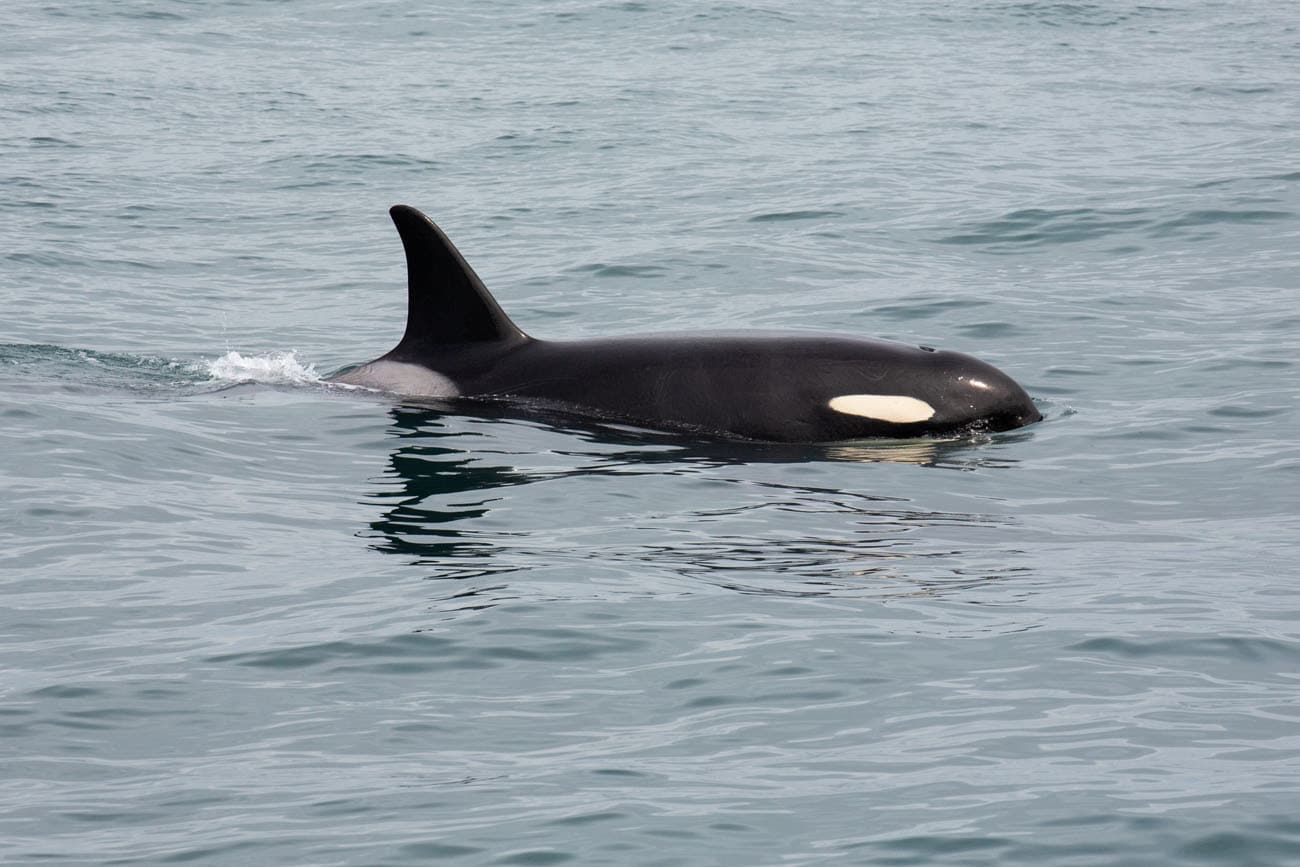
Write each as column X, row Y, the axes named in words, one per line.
column 1019, row 416
column 978, row 395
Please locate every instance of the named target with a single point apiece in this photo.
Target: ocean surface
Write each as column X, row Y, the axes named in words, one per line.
column 250, row 618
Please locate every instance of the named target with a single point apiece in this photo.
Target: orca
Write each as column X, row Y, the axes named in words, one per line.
column 789, row 387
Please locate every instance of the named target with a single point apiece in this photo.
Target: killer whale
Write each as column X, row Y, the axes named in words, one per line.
column 790, row 387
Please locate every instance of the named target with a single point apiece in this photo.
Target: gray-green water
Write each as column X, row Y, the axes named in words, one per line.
column 250, row 620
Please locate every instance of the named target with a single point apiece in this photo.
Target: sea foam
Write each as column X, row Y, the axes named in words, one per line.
column 275, row 368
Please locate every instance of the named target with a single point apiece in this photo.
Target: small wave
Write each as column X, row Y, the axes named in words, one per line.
column 1077, row 14
column 600, row 269
column 1040, row 227
column 42, row 362
column 1242, row 648
column 783, row 216
column 273, row 368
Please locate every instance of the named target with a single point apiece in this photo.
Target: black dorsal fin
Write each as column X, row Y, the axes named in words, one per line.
column 446, row 301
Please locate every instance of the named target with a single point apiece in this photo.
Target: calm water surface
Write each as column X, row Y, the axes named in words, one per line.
column 249, row 619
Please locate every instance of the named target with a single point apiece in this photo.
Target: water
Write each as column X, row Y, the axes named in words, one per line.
column 250, row 619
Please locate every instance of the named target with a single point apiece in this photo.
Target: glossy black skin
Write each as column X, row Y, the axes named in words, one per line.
column 753, row 386
column 774, row 388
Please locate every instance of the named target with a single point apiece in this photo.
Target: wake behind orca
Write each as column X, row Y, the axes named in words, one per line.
column 791, row 387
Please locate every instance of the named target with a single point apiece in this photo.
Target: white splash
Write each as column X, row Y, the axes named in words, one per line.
column 274, row 368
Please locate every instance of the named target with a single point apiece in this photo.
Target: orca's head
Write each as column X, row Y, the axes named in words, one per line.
column 905, row 391
column 969, row 394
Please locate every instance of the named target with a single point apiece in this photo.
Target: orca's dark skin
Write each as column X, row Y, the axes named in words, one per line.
column 788, row 387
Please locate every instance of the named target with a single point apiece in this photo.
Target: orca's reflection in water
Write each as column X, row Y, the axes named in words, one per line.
column 439, row 483
column 465, row 495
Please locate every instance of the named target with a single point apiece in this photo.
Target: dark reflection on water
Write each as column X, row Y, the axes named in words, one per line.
column 429, row 464
column 753, row 535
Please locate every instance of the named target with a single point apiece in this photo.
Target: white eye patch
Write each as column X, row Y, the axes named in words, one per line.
column 894, row 408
